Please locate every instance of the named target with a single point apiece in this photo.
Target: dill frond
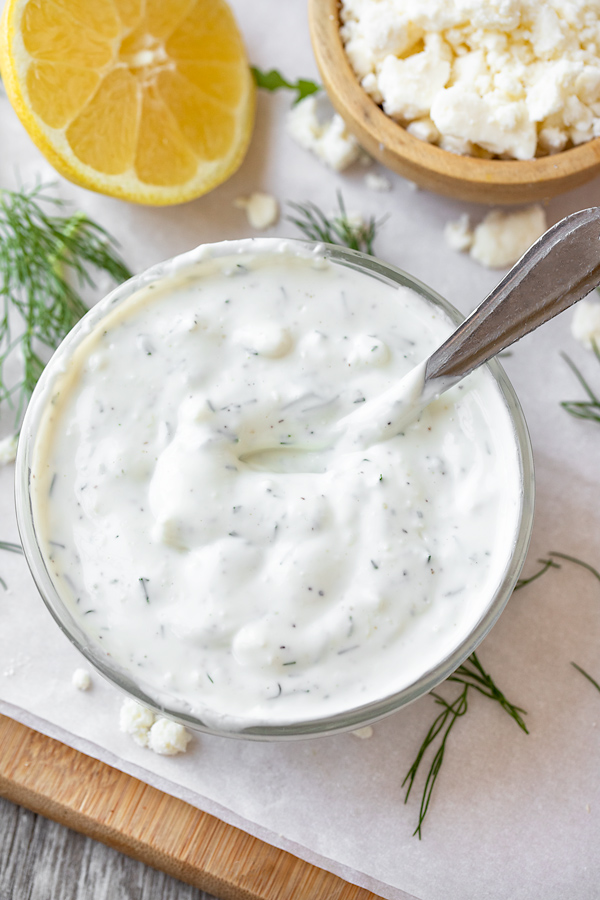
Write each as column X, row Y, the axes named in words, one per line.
column 338, row 228
column 545, row 564
column 444, row 722
column 10, row 547
column 471, row 675
column 578, row 562
column 583, row 409
column 586, row 675
column 45, row 258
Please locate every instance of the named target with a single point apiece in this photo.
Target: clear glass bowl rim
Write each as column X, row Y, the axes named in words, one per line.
column 351, row 719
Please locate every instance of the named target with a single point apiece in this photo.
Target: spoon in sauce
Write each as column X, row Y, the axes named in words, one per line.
column 560, row 268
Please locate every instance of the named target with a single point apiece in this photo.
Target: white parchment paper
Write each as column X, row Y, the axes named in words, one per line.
column 513, row 817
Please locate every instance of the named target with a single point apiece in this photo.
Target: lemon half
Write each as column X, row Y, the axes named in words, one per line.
column 148, row 100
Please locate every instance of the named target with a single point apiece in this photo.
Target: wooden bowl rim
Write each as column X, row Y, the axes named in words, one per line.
column 347, row 94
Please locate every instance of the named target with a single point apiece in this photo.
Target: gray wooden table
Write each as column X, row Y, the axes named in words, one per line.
column 40, row 860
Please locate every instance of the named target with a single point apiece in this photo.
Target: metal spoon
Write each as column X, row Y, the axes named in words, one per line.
column 559, row 269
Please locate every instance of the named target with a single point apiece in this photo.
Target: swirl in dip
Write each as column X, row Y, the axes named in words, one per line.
column 207, row 534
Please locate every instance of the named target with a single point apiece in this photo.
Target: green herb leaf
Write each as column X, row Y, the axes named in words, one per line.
column 583, row 409
column 274, row 81
column 335, row 229
column 44, row 258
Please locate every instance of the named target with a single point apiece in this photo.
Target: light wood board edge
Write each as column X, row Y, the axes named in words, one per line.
column 466, row 178
column 166, row 833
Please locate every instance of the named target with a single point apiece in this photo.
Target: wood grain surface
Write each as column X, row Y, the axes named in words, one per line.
column 88, row 796
column 40, row 859
column 479, row 180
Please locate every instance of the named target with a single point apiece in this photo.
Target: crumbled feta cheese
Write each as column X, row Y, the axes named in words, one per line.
column 8, row 449
column 409, row 86
column 502, row 238
column 363, row 733
column 585, row 325
column 459, row 112
column 262, row 210
column 516, row 78
column 552, row 140
column 459, row 234
column 81, row 680
column 168, row 738
column 353, row 218
column 158, row 734
column 327, row 138
column 377, row 182
column 136, row 720
column 424, row 130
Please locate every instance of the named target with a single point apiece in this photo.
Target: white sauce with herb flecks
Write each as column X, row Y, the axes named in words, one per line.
column 209, row 533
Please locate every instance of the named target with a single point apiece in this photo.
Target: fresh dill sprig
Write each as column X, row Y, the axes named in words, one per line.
column 442, row 723
column 545, row 564
column 586, row 675
column 596, row 574
column 550, row 564
column 44, row 259
column 471, row 675
column 583, row 409
column 578, row 562
column 338, row 228
column 10, row 547
column 274, row 81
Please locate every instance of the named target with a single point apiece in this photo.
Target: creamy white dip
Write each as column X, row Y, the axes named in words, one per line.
column 207, row 529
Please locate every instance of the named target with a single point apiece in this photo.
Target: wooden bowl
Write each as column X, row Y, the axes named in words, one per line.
column 465, row 177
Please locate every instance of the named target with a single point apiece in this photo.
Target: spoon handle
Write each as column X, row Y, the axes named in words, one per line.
column 559, row 269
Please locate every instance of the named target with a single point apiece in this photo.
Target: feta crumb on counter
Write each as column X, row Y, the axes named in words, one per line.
column 136, row 720
column 155, row 732
column 353, row 218
column 377, row 182
column 510, row 78
column 261, row 209
column 81, row 680
column 8, row 449
column 168, row 738
column 459, row 234
column 585, row 325
column 363, row 733
column 502, row 238
column 325, row 135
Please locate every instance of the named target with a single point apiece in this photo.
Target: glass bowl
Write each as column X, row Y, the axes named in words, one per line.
column 349, row 719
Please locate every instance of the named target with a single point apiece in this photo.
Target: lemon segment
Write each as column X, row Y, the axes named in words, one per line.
column 148, row 100
column 57, row 91
column 129, row 12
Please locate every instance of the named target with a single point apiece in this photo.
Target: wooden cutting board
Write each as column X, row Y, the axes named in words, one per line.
column 168, row 834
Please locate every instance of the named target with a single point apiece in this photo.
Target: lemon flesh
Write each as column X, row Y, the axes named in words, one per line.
column 148, row 100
